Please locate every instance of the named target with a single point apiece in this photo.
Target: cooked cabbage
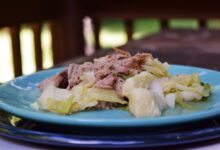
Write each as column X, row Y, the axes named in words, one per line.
column 189, row 86
column 56, row 100
column 106, row 95
column 170, row 99
column 141, row 80
column 142, row 103
column 181, row 102
column 63, row 101
column 80, row 101
column 157, row 90
column 147, row 91
column 88, row 78
column 157, row 68
column 60, row 106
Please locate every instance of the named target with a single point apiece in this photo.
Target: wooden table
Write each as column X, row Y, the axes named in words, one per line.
column 199, row 48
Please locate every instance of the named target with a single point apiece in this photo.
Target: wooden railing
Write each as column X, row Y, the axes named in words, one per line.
column 15, row 38
column 13, row 14
column 65, row 18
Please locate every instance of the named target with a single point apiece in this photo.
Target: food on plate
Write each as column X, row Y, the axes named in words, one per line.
column 140, row 82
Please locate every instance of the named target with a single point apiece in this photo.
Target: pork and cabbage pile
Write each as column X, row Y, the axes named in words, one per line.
column 140, row 82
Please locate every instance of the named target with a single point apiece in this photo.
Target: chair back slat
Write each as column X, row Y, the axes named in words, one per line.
column 14, row 31
column 97, row 26
column 57, row 41
column 202, row 23
column 37, row 27
column 164, row 24
column 129, row 28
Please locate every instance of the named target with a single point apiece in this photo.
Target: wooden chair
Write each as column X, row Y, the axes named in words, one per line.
column 66, row 16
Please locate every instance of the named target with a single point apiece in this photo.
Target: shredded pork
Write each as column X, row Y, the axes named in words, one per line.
column 110, row 71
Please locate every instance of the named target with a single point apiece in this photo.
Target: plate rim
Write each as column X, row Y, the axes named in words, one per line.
column 128, row 122
column 71, row 140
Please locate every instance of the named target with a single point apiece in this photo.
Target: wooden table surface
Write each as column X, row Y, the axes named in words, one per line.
column 199, row 48
column 187, row 47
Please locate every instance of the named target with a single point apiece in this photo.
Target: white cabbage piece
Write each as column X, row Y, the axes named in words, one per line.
column 142, row 103
column 183, row 79
column 141, row 80
column 88, row 97
column 187, row 80
column 170, row 99
column 107, row 95
column 190, row 96
column 54, row 93
column 157, row 90
column 56, row 100
column 141, row 100
column 89, row 78
column 157, row 68
column 80, row 101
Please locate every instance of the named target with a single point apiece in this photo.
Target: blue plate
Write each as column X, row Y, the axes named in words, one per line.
column 188, row 136
column 17, row 96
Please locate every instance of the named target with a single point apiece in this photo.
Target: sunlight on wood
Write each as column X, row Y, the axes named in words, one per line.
column 27, row 50
column 46, row 44
column 145, row 27
column 213, row 24
column 112, row 34
column 184, row 23
column 6, row 62
column 109, row 40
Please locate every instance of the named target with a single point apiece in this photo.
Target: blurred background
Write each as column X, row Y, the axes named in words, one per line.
column 36, row 35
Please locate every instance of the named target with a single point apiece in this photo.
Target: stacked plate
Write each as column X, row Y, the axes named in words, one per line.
column 107, row 128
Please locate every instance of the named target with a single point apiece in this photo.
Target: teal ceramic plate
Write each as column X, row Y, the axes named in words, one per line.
column 17, row 96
